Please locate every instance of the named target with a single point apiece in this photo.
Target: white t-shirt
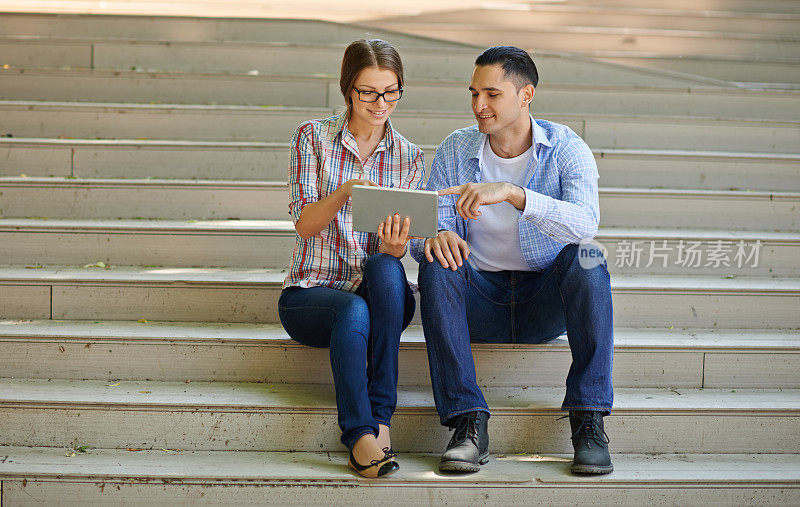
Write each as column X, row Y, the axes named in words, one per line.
column 493, row 238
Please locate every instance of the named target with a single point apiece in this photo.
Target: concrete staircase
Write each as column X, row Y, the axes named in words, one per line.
column 750, row 41
column 144, row 236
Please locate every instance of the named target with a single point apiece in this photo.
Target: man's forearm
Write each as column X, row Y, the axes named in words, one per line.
column 516, row 197
column 564, row 221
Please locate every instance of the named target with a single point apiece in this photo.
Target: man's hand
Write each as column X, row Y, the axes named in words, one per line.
column 475, row 195
column 449, row 248
column 393, row 237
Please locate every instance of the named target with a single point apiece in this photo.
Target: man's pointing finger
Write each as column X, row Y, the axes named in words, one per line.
column 452, row 190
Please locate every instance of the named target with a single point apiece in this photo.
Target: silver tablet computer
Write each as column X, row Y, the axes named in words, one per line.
column 371, row 206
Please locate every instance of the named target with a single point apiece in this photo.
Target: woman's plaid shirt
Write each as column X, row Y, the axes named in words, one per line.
column 324, row 155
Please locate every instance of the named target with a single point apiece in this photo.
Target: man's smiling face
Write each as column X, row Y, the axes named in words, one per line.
column 496, row 102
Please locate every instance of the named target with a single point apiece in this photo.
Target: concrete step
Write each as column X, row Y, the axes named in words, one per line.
column 204, row 351
column 264, row 161
column 662, row 252
column 87, row 85
column 744, row 6
column 269, row 244
column 206, row 477
column 432, row 62
column 251, row 295
column 127, row 198
column 525, row 16
column 132, row 158
column 193, row 243
column 576, row 39
column 302, row 417
column 750, row 71
column 247, row 123
column 198, row 29
column 697, row 169
column 625, row 207
column 57, row 197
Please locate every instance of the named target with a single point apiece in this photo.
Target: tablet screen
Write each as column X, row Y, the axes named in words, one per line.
column 371, row 206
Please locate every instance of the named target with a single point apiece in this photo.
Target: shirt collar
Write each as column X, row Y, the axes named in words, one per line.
column 538, row 136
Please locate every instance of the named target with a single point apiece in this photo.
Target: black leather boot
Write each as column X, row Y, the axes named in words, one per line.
column 469, row 447
column 590, row 442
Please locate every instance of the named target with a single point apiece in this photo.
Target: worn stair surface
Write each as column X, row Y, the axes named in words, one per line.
column 753, row 46
column 144, row 236
column 189, row 477
column 302, row 417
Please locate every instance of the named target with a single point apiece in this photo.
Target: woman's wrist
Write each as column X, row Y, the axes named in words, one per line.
column 396, row 251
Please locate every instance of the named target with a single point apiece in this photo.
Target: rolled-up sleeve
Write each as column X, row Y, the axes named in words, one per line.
column 303, row 167
column 577, row 215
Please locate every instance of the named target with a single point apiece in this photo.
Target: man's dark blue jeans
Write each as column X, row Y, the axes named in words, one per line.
column 467, row 305
column 363, row 331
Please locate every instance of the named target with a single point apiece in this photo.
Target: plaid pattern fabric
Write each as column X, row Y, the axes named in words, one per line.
column 561, row 199
column 324, row 155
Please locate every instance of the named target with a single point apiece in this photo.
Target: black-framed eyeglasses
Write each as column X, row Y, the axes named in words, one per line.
column 371, row 96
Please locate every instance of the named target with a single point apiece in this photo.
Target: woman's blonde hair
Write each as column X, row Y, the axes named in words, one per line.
column 364, row 53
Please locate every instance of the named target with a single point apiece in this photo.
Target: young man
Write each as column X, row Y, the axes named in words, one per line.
column 518, row 196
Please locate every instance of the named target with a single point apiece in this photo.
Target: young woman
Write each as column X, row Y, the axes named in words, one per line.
column 347, row 290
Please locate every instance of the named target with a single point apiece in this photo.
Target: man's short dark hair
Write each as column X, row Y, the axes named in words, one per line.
column 517, row 64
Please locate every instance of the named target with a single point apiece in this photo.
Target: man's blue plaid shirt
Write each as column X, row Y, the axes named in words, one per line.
column 561, row 200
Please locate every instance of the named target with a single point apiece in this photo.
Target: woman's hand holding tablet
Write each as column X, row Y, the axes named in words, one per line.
column 393, row 236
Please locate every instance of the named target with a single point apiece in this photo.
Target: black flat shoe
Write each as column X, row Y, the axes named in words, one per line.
column 376, row 467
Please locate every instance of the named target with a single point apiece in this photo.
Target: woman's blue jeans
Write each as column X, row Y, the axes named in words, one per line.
column 363, row 331
column 466, row 305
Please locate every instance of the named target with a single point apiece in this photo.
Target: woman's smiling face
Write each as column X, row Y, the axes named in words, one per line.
column 373, row 79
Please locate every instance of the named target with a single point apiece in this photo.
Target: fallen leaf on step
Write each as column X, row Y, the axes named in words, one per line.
column 145, row 392
column 113, row 385
column 133, row 449
column 142, row 320
column 69, row 454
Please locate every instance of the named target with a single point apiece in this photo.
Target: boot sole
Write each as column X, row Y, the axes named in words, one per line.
column 592, row 469
column 463, row 466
